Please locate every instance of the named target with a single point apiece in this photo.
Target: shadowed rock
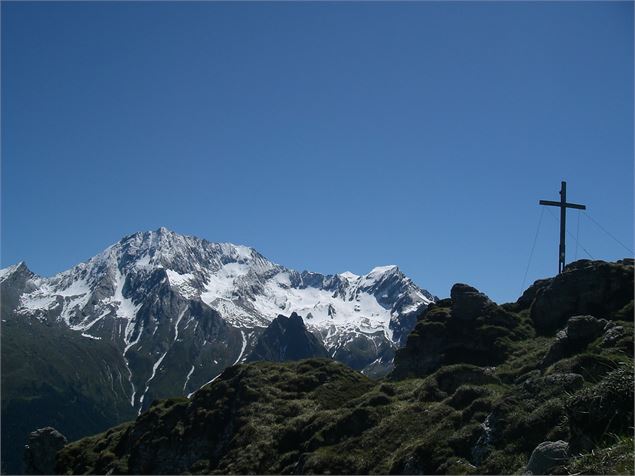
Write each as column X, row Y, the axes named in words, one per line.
column 467, row 302
column 547, row 456
column 287, row 338
column 41, row 449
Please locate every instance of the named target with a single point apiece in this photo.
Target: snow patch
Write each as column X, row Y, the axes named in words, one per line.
column 154, row 372
column 91, row 337
column 189, row 395
column 242, row 350
column 182, row 283
column 187, row 377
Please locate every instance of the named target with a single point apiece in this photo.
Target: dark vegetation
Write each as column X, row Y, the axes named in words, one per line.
column 476, row 389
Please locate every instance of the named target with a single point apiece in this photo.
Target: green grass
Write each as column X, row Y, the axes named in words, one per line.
column 616, row 458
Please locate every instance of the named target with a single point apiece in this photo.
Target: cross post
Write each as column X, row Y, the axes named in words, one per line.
column 563, row 220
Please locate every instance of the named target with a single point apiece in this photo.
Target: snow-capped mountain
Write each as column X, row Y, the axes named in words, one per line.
column 180, row 309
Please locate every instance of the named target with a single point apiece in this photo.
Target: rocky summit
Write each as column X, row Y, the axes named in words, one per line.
column 479, row 388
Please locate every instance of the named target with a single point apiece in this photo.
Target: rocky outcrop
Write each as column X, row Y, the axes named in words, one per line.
column 40, row 450
column 598, row 288
column 287, row 338
column 467, row 328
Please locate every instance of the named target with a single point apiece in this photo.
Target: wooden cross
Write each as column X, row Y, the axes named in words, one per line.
column 563, row 219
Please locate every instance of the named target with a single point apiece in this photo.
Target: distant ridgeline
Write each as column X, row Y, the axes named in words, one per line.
column 543, row 385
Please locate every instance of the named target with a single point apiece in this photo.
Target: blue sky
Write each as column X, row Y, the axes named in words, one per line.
column 330, row 137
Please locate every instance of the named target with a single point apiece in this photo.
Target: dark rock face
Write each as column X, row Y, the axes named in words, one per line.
column 586, row 287
column 287, row 338
column 40, row 450
column 547, row 456
column 467, row 328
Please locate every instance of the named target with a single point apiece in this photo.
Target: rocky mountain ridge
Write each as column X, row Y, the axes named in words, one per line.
column 153, row 292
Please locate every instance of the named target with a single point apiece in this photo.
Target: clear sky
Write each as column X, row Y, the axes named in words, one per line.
column 328, row 136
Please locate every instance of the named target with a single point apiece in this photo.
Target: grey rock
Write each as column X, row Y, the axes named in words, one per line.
column 40, row 450
column 584, row 328
column 547, row 456
column 611, row 336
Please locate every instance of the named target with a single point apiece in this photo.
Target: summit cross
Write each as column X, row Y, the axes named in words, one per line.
column 563, row 220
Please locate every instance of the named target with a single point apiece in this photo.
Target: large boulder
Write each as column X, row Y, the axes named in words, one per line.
column 598, row 288
column 41, row 448
column 547, row 456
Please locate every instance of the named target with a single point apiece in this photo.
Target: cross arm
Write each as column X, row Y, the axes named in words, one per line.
column 560, row 204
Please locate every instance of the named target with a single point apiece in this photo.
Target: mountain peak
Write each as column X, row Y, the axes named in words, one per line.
column 287, row 338
column 380, row 270
column 20, row 267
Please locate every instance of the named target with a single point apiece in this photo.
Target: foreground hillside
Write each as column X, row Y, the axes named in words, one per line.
column 546, row 382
